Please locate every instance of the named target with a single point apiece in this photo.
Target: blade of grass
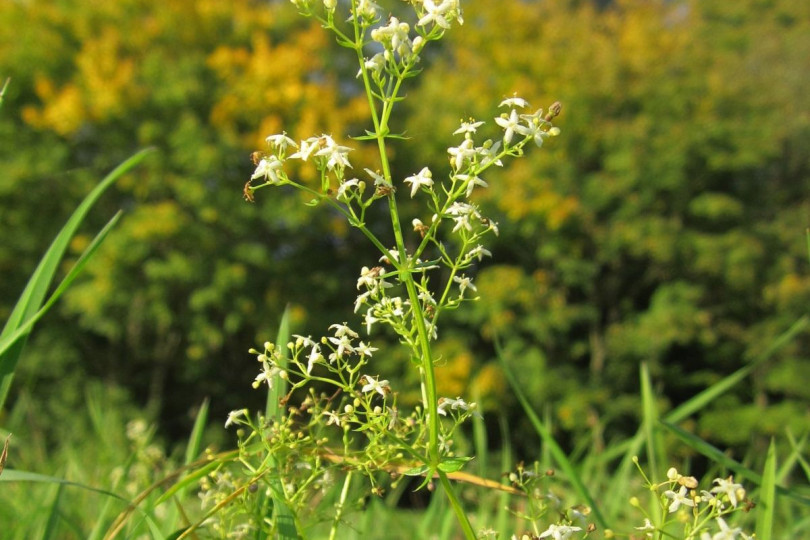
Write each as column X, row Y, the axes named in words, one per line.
column 631, row 447
column 766, row 505
column 53, row 515
column 35, row 291
column 502, row 517
column 797, row 448
column 195, row 439
column 655, row 450
column 789, row 463
column 11, row 475
column 275, row 410
column 15, row 337
column 190, row 479
column 554, row 448
column 175, row 517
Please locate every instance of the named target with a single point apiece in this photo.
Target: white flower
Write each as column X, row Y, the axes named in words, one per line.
column 436, row 13
column 461, row 154
column 267, row 375
column 462, row 214
column 678, row 499
column 510, row 124
column 281, row 142
column 468, row 127
column 370, row 320
column 360, row 300
column 489, row 154
column 344, row 188
column 368, row 277
column 375, row 385
column 471, row 182
column 728, row 487
column 343, row 330
column 367, row 10
column 307, row 147
column 648, row 528
column 454, row 404
column 233, row 416
column 463, row 283
column 379, row 180
column 336, row 155
column 726, row 533
column 535, row 131
column 303, row 341
column 423, row 178
column 559, row 532
column 394, row 36
column 375, row 64
column 332, row 417
column 479, row 252
column 513, row 102
column 365, row 350
column 314, row 357
column 268, row 168
column 344, row 345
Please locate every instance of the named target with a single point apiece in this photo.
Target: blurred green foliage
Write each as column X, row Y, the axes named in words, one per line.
column 665, row 225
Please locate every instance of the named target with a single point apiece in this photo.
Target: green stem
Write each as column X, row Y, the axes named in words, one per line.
column 457, row 508
column 404, row 265
column 344, row 493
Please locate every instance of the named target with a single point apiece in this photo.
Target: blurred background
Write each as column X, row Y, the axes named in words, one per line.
column 665, row 225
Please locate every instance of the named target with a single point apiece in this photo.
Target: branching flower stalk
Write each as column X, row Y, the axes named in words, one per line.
column 363, row 403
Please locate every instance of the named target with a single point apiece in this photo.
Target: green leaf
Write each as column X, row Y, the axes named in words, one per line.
column 766, row 505
column 285, row 519
column 11, row 475
column 417, row 471
column 29, row 307
column 453, row 464
column 655, row 447
column 195, row 439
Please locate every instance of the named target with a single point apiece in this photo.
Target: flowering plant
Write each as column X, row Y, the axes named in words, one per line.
column 693, row 514
column 407, row 290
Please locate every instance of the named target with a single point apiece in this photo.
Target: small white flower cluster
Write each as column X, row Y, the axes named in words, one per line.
column 533, row 126
column 392, row 310
column 399, row 51
column 328, row 156
column 707, row 508
column 456, row 406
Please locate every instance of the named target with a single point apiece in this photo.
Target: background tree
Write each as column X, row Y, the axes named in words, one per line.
column 666, row 225
column 194, row 275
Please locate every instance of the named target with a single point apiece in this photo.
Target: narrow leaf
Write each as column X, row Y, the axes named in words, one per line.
column 34, row 293
column 555, row 449
column 11, row 475
column 451, row 465
column 766, row 505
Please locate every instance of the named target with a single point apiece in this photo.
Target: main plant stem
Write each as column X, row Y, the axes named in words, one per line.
column 429, row 395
